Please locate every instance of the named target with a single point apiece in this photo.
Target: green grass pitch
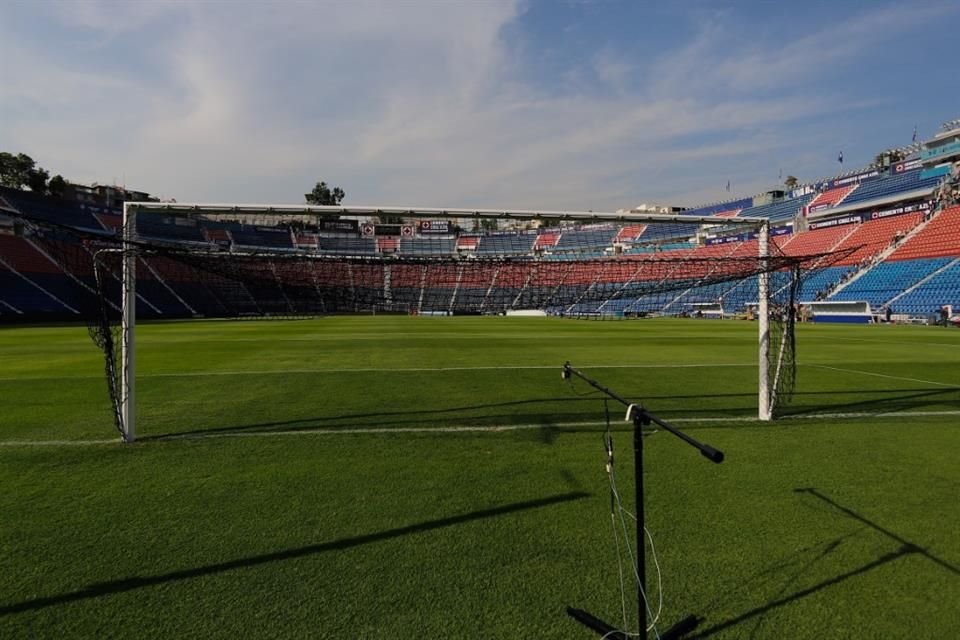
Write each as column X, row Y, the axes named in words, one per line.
column 396, row 477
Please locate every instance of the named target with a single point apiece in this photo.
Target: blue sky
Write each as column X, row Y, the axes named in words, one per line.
column 523, row 104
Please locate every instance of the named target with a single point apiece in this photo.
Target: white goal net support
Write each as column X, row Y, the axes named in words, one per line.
column 169, row 260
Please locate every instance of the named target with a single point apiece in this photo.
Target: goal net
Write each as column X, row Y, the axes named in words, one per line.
column 167, row 260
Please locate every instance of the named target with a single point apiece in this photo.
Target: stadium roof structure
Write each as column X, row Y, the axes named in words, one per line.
column 432, row 212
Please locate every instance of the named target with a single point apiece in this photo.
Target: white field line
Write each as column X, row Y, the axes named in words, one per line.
column 56, row 443
column 519, row 367
column 333, row 431
column 884, row 375
column 901, row 343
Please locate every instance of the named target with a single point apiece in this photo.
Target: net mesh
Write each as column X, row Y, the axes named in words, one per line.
column 221, row 267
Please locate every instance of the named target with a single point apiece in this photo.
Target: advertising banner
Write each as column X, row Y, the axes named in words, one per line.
column 909, row 208
column 434, row 226
column 836, row 222
column 909, row 165
column 338, row 226
column 387, row 229
column 848, row 180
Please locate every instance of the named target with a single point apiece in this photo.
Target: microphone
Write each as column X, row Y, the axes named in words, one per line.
column 711, row 454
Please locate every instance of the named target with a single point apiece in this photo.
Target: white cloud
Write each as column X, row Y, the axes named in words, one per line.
column 399, row 102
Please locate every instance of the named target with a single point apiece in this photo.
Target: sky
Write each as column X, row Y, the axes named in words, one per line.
column 520, row 104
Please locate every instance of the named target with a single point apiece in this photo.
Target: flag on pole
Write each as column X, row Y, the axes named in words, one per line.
column 840, row 159
column 728, row 185
column 914, row 133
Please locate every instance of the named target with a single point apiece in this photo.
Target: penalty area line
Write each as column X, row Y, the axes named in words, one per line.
column 883, row 375
column 56, row 443
column 333, row 431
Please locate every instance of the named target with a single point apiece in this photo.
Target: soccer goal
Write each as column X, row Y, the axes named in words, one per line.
column 171, row 260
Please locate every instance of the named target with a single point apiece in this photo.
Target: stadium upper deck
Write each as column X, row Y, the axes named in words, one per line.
column 901, row 224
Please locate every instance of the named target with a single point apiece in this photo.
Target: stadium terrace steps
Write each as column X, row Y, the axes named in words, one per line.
column 830, row 198
column 51, row 209
column 222, row 236
column 889, row 185
column 585, row 238
column 781, row 211
column 628, row 232
column 110, row 221
column 816, row 241
column 546, row 240
column 871, row 237
column 566, row 269
column 887, row 280
column 26, row 295
column 427, row 246
column 940, row 287
column 387, row 244
column 507, row 243
column 468, row 243
column 940, row 237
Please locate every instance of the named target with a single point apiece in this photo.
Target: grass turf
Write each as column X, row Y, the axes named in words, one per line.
column 842, row 526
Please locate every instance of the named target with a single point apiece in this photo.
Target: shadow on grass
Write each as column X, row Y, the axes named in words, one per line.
column 906, row 548
column 876, row 401
column 138, row 582
column 871, row 401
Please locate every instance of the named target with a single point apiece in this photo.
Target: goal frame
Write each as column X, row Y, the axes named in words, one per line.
column 131, row 210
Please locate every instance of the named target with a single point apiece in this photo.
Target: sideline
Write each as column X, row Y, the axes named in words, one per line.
column 333, row 431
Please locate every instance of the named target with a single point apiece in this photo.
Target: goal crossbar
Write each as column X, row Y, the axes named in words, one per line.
column 434, row 212
column 307, row 212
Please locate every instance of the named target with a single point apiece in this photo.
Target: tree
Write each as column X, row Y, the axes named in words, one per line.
column 324, row 195
column 15, row 170
column 37, row 180
column 790, row 182
column 21, row 171
column 57, row 186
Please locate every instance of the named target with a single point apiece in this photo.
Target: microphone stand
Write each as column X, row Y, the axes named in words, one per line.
column 640, row 418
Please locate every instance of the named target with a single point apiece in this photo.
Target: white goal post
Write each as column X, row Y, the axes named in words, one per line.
column 132, row 247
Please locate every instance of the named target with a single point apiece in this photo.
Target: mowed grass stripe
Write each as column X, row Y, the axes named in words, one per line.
column 476, row 532
column 394, row 370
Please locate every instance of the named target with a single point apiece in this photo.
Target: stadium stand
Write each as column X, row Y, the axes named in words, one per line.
column 871, row 237
column 507, row 243
column 930, row 294
column 388, row 244
column 782, row 211
column 885, row 281
column 908, row 258
column 262, row 237
column 467, row 243
column 51, row 209
column 581, row 239
column 545, row 240
column 427, row 246
column 348, row 246
column 941, row 237
column 829, row 198
column 816, row 241
column 720, row 207
column 886, row 186
column 628, row 233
